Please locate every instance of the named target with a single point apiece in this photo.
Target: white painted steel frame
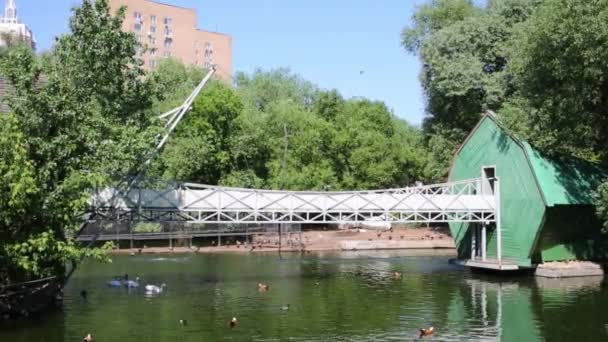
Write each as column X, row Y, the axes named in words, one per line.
column 449, row 202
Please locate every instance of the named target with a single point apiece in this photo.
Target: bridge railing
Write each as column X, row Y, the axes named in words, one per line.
column 187, row 202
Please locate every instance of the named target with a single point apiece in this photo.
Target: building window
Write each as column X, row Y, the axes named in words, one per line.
column 208, row 50
column 137, row 27
column 153, row 19
column 168, row 21
column 152, row 40
column 152, row 63
column 152, row 29
column 137, row 16
column 167, row 54
column 168, row 31
column 153, row 53
column 168, row 44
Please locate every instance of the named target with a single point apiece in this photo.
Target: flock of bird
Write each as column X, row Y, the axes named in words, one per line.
column 124, row 281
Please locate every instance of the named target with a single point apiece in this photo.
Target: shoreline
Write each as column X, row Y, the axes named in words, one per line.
column 317, row 241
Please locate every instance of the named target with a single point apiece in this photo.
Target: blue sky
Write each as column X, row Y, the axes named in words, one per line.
column 327, row 42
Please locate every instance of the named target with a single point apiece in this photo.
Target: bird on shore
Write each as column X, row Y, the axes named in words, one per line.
column 263, row 287
column 427, row 331
column 88, row 338
column 153, row 289
column 233, row 322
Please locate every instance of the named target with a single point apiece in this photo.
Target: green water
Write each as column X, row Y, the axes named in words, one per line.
column 332, row 297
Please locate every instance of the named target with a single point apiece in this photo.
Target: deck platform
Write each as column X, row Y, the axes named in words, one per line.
column 488, row 264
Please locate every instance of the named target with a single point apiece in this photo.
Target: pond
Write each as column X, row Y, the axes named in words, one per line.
column 350, row 296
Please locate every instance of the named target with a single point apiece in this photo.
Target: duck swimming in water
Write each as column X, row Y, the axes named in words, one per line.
column 233, row 322
column 132, row 283
column 263, row 287
column 115, row 283
column 153, row 289
column 88, row 338
column 427, row 332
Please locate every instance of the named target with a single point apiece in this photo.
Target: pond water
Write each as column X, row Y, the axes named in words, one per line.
column 332, row 296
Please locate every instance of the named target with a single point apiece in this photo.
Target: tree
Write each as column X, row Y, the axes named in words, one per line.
column 83, row 112
column 559, row 65
column 200, row 150
column 465, row 51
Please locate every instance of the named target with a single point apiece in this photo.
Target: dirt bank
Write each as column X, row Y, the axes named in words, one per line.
column 323, row 240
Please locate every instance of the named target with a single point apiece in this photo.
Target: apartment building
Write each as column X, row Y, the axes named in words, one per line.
column 12, row 30
column 166, row 30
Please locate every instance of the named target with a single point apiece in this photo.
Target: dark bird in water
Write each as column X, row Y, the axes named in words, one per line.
column 84, row 294
column 427, row 332
column 263, row 287
column 233, row 322
column 88, row 338
column 183, row 322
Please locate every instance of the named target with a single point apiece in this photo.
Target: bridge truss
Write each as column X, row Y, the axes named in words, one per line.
column 186, row 202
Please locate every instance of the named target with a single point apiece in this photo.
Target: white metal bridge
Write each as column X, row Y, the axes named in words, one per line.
column 466, row 201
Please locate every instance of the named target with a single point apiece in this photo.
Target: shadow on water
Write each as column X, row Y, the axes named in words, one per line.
column 332, row 296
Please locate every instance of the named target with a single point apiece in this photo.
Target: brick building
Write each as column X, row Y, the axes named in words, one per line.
column 171, row 31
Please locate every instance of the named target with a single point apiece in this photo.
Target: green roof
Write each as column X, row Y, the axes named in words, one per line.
column 564, row 180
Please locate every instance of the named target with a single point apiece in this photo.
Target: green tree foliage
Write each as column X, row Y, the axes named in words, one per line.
column 81, row 116
column 276, row 130
column 200, row 149
column 465, row 51
column 559, row 65
column 174, row 81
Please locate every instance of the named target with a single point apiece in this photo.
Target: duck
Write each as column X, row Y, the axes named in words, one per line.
column 285, row 308
column 263, row 287
column 397, row 275
column 115, row 283
column 233, row 322
column 88, row 338
column 427, row 331
column 183, row 321
column 132, row 283
column 84, row 294
column 155, row 289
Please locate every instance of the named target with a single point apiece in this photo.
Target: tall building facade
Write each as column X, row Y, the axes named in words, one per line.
column 12, row 30
column 171, row 31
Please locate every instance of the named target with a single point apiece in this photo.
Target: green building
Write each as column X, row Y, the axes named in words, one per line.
column 546, row 210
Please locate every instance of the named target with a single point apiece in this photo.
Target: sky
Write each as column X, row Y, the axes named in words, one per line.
column 352, row 46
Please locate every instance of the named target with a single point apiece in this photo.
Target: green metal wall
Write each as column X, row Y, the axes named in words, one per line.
column 522, row 206
column 569, row 233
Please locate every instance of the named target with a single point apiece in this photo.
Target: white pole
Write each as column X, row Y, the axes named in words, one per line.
column 498, row 222
column 473, row 242
column 483, row 241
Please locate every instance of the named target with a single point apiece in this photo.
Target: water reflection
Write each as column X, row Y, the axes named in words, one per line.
column 350, row 296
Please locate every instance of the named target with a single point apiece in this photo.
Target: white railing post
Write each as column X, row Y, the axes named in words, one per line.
column 498, row 222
